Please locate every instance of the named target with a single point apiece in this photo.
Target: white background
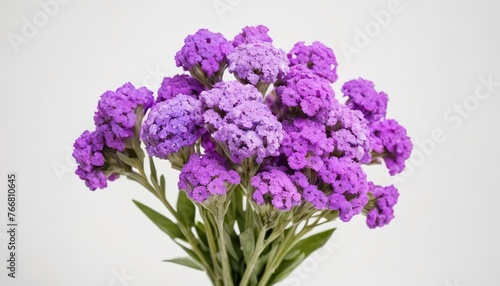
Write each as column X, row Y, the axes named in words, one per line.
column 428, row 57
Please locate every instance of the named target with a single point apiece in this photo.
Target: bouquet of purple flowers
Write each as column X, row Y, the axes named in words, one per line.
column 263, row 158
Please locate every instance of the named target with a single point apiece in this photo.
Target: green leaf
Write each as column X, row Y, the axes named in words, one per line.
column 313, row 242
column 286, row 267
column 230, row 247
column 153, row 168
column 165, row 224
column 185, row 209
column 306, row 246
column 292, row 254
column 200, row 230
column 185, row 261
column 162, row 185
column 247, row 242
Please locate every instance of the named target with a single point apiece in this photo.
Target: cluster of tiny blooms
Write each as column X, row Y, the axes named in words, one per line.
column 252, row 35
column 389, row 138
column 88, row 155
column 258, row 63
column 317, row 57
column 224, row 97
column 171, row 125
column 275, row 187
column 116, row 117
column 383, row 212
column 179, row 84
column 305, row 90
column 204, row 49
column 363, row 97
column 250, row 130
column 206, row 175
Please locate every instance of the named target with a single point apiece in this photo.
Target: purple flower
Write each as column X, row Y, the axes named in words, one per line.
column 363, row 97
column 383, row 212
column 171, row 125
column 250, row 35
column 90, row 160
column 116, row 113
column 224, row 97
column 350, row 133
column 390, row 141
column 258, row 62
column 206, row 175
column 206, row 49
column 317, row 57
column 310, row 192
column 275, row 187
column 308, row 92
column 349, row 194
column 179, row 84
column 250, row 129
column 305, row 144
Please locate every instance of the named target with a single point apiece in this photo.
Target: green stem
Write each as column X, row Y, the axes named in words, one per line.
column 226, row 268
column 259, row 247
column 211, row 244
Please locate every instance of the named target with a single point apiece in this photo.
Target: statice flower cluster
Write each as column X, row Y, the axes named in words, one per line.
column 116, row 117
column 251, row 34
column 171, row 125
column 363, row 97
column 317, row 57
column 382, row 212
column 258, row 62
column 275, row 187
column 206, row 175
column 179, row 84
column 88, row 155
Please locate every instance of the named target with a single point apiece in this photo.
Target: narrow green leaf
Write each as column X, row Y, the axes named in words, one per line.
column 292, row 254
column 286, row 267
column 306, row 246
column 247, row 242
column 230, row 247
column 162, row 185
column 200, row 230
column 153, row 168
column 185, row 261
column 165, row 224
column 313, row 242
column 185, row 209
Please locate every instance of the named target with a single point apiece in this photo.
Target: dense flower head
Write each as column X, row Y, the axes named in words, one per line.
column 363, row 97
column 224, row 97
column 116, row 113
column 206, row 175
column 88, row 155
column 250, row 129
column 310, row 192
column 206, row 49
column 252, row 34
column 274, row 186
column 349, row 184
column 305, row 90
column 305, row 144
column 317, row 57
column 171, row 125
column 179, row 84
column 349, row 131
column 390, row 141
column 258, row 62
column 383, row 212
